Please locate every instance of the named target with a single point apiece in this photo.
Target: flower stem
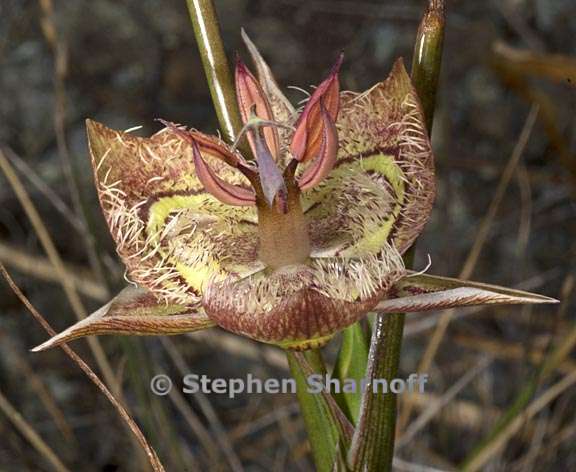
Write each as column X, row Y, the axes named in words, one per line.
column 216, row 67
column 322, row 430
column 389, row 328
column 428, row 57
column 392, row 327
column 372, row 447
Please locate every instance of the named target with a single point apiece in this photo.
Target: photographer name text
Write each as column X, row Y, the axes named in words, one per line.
column 315, row 384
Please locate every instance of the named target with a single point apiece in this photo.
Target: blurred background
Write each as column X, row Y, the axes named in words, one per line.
column 505, row 214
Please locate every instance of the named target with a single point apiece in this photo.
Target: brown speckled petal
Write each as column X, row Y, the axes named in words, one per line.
column 171, row 234
column 380, row 193
column 300, row 307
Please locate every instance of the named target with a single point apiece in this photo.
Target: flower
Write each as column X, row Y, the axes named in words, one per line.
column 288, row 247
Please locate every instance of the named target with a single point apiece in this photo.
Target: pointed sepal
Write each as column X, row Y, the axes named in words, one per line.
column 134, row 311
column 422, row 292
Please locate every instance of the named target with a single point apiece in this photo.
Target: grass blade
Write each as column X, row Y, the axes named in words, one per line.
column 520, row 409
column 351, row 364
column 59, row 267
column 31, row 435
column 130, row 423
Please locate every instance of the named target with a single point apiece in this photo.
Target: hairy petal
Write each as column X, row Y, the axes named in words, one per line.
column 326, row 158
column 307, row 138
column 134, row 311
column 251, row 98
column 301, row 306
column 428, row 292
column 171, row 234
column 380, row 192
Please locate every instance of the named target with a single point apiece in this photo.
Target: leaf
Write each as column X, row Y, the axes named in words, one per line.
column 329, row 431
column 134, row 311
column 372, row 445
column 351, row 364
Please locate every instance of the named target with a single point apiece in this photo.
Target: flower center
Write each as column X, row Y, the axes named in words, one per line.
column 283, row 232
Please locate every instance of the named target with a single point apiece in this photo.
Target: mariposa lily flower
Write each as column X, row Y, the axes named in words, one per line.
column 287, row 246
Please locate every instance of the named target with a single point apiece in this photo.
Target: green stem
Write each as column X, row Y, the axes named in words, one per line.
column 389, row 328
column 373, row 448
column 428, row 58
column 375, row 451
column 322, row 430
column 392, row 327
column 216, row 68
